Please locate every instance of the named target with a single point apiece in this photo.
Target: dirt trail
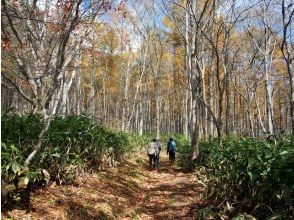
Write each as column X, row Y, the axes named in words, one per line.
column 169, row 194
column 128, row 192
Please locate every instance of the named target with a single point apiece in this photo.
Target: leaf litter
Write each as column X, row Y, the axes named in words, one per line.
column 127, row 192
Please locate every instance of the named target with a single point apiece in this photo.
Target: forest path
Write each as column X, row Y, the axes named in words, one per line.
column 130, row 191
column 169, row 193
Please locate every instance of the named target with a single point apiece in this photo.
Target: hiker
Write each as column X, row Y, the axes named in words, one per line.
column 159, row 149
column 171, row 150
column 152, row 151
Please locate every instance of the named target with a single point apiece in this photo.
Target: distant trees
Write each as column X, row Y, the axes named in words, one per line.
column 226, row 65
column 202, row 68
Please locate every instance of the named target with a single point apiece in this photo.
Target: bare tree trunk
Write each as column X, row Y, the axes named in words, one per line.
column 196, row 85
column 138, row 86
column 79, row 94
column 47, row 121
column 157, row 106
column 203, row 109
column 185, row 115
column 125, row 108
column 41, row 140
column 187, row 73
column 268, row 93
column 259, row 114
column 104, row 98
column 141, row 116
column 249, row 115
column 288, row 49
column 78, row 91
column 92, row 101
column 235, row 105
column 291, row 79
column 63, row 105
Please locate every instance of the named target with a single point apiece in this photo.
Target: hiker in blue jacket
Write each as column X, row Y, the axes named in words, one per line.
column 171, row 150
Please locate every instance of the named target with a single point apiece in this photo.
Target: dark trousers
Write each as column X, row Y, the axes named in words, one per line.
column 172, row 156
column 158, row 159
column 153, row 161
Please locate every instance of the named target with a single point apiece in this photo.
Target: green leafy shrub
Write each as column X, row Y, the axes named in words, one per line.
column 11, row 162
column 20, row 131
column 137, row 142
column 71, row 143
column 254, row 174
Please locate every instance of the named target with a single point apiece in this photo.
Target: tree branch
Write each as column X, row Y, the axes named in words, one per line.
column 18, row 89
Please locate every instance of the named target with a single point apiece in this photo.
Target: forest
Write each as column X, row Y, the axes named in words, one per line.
column 86, row 85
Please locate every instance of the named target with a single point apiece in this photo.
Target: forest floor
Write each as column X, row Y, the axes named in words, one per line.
column 129, row 191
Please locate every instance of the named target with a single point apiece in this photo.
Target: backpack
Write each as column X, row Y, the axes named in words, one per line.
column 152, row 149
column 158, row 146
column 171, row 146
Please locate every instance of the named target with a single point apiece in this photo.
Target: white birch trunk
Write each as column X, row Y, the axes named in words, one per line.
column 141, row 116
column 125, row 109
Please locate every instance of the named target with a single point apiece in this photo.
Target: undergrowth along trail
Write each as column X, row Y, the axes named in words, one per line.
column 129, row 191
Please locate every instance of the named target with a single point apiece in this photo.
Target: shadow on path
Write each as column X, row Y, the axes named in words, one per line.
column 169, row 193
column 130, row 191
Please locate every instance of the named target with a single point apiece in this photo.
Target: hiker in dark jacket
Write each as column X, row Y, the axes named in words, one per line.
column 171, row 150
